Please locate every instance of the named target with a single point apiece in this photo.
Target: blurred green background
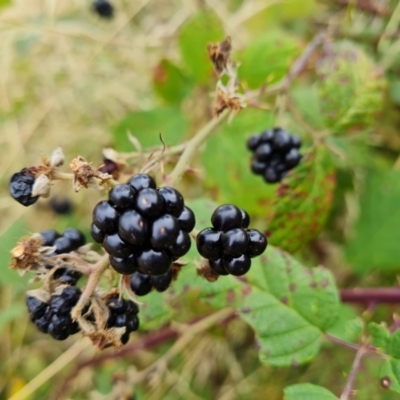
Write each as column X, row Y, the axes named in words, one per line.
column 72, row 79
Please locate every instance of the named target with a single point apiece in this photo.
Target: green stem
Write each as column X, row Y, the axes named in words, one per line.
column 192, row 147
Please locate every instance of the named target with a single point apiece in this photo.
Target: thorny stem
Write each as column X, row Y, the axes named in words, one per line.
column 298, row 66
column 371, row 295
column 192, row 147
column 348, row 390
column 95, row 274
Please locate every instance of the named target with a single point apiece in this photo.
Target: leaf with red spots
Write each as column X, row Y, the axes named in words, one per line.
column 288, row 306
column 303, row 201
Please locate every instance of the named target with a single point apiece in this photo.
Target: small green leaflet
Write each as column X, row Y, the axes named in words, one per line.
column 307, row 391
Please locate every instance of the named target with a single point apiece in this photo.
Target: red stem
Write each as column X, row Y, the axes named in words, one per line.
column 373, row 295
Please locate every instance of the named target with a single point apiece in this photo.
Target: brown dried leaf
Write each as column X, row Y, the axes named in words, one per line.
column 220, row 55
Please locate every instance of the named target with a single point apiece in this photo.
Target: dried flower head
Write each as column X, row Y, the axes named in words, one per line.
column 204, row 270
column 220, row 55
column 27, row 254
column 85, row 176
column 224, row 101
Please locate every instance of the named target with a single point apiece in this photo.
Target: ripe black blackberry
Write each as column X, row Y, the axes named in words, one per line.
column 71, row 239
column 54, row 317
column 20, row 188
column 229, row 245
column 275, row 152
column 142, row 284
column 61, row 205
column 143, row 228
column 123, row 313
column 103, row 8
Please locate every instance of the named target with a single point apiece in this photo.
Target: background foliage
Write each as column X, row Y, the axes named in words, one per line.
column 71, row 79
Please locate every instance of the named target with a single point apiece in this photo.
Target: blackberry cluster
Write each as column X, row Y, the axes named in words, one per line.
column 229, row 245
column 123, row 313
column 143, row 228
column 54, row 317
column 103, row 8
column 142, row 284
column 275, row 152
column 70, row 240
column 20, row 188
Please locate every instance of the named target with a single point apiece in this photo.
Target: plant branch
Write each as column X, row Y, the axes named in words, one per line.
column 366, row 6
column 94, row 277
column 192, row 146
column 151, row 340
column 348, row 389
column 373, row 295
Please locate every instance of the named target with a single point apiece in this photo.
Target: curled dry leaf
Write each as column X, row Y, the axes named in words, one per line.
column 27, row 254
column 41, row 187
column 57, row 158
column 223, row 101
column 85, row 176
column 220, row 55
column 204, row 270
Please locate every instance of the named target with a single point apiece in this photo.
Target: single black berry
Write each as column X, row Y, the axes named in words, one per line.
column 104, row 8
column 267, row 136
column 209, row 243
column 258, row 167
column 115, row 246
column 152, row 262
column 49, row 236
column 263, row 152
column 271, row 175
column 257, row 243
column 149, row 203
column 218, row 266
column 237, row 266
column 234, row 242
column 292, row 158
column 187, row 219
column 141, row 284
column 142, row 181
column 20, row 188
column 105, row 217
column 281, row 140
column 173, row 200
column 253, row 142
column 226, row 217
column 245, row 219
column 133, row 227
column 181, row 245
column 76, row 237
column 124, row 266
column 164, row 231
column 61, row 205
column 122, row 196
column 36, row 307
column 63, row 245
column 162, row 282
column 97, row 234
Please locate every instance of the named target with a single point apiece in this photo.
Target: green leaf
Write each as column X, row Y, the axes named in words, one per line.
column 307, row 391
column 350, row 86
column 195, row 35
column 288, row 306
column 155, row 313
column 147, row 127
column 348, row 325
column 303, row 201
column 394, row 345
column 379, row 335
column 267, row 59
column 378, row 223
column 169, row 82
column 390, row 375
column 226, row 161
